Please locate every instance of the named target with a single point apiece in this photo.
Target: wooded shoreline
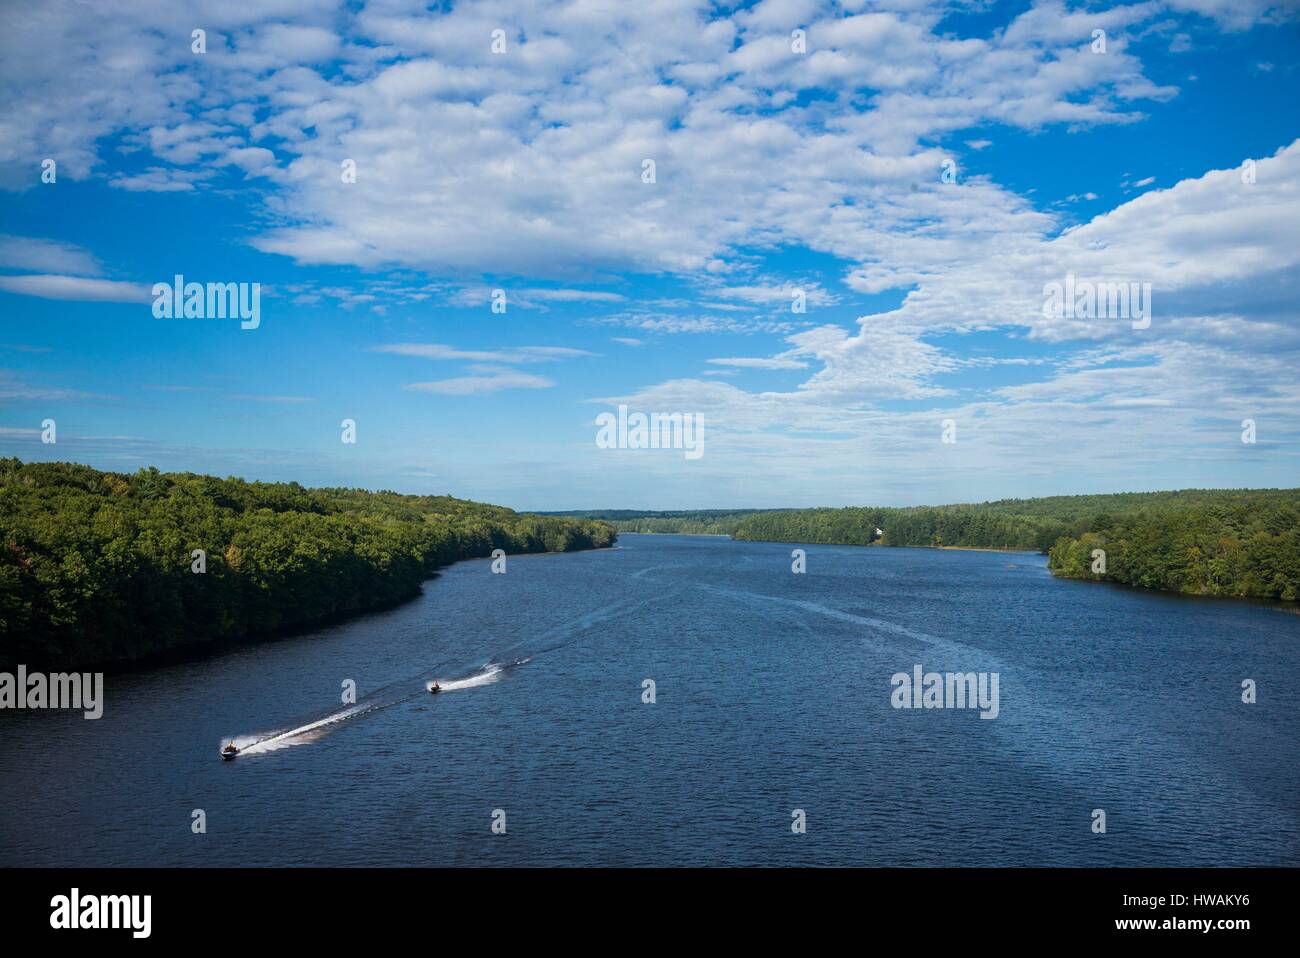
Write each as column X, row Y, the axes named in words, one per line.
column 112, row 567
column 1242, row 543
column 100, row 567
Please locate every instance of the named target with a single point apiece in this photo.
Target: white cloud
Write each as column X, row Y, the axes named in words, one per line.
column 1238, row 14
column 487, row 382
column 78, row 288
column 757, row 362
column 572, row 295
column 476, row 169
column 46, row 256
column 784, row 293
column 515, row 354
column 159, row 179
column 529, row 163
column 1223, row 265
column 492, row 369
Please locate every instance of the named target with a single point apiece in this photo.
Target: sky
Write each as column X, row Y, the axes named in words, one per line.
column 915, row 174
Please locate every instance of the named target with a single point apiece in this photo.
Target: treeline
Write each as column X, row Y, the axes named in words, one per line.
column 1249, row 548
column 965, row 525
column 1224, row 542
column 98, row 566
column 700, row 522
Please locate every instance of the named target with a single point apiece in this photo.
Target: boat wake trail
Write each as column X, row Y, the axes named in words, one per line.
column 260, row 745
column 484, row 676
column 556, row 637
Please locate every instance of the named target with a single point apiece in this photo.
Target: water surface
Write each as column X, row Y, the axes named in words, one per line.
column 773, row 694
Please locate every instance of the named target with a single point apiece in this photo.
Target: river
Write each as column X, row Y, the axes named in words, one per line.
column 772, row 693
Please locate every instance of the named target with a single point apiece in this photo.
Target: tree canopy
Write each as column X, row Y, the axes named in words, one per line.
column 97, row 566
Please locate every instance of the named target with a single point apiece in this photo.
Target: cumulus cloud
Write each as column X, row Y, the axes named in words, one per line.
column 527, row 169
column 1224, row 272
column 530, row 162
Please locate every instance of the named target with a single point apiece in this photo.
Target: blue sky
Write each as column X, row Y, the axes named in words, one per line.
column 775, row 170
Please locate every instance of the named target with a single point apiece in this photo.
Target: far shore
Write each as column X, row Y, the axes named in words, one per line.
column 975, row 549
column 702, row 535
column 858, row 545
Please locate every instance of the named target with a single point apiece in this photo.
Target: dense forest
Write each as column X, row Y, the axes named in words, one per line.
column 1248, row 548
column 974, row 526
column 98, row 566
column 1226, row 542
column 700, row 522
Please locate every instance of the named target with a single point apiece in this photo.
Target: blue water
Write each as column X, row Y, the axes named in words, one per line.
column 773, row 694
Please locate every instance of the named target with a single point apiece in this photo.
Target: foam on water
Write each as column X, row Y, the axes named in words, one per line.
column 257, row 745
column 549, row 640
column 261, row 744
column 484, row 676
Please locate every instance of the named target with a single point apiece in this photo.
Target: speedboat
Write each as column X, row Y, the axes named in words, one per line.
column 229, row 752
column 435, row 688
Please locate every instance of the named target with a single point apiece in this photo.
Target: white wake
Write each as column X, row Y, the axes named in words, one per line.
column 484, row 676
column 255, row 745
